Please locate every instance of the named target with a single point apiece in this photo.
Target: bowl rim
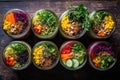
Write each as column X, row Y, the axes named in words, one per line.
column 29, row 54
column 27, row 29
column 61, row 31
column 91, row 47
column 93, row 34
column 53, row 34
column 85, row 60
column 54, row 64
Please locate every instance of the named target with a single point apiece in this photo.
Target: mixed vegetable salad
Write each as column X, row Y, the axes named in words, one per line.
column 44, row 23
column 73, row 55
column 75, row 21
column 102, row 56
column 103, row 23
column 16, row 55
column 15, row 22
column 45, row 55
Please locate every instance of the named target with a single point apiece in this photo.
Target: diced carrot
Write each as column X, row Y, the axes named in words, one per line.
column 101, row 33
column 10, row 17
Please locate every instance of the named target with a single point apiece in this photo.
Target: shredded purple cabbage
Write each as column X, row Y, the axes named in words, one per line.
column 103, row 47
column 21, row 16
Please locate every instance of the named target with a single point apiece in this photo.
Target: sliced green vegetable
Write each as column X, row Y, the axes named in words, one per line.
column 81, row 60
column 69, row 63
column 75, row 63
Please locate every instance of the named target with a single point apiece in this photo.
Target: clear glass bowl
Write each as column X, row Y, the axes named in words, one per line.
column 101, row 55
column 68, row 34
column 45, row 55
column 45, row 24
column 17, row 55
column 98, row 29
column 73, row 55
column 16, row 23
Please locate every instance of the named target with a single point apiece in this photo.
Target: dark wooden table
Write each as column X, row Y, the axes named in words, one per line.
column 60, row 73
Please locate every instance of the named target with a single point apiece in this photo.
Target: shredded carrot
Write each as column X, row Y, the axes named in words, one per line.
column 10, row 17
column 66, row 56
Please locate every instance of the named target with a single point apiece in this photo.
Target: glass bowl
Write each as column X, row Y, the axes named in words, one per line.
column 17, row 55
column 103, row 24
column 16, row 23
column 101, row 55
column 45, row 24
column 70, row 29
column 73, row 55
column 45, row 55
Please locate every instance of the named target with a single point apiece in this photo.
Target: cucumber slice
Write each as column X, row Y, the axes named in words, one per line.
column 75, row 63
column 69, row 63
column 81, row 60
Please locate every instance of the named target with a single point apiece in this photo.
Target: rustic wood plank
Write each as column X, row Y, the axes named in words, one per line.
column 59, row 73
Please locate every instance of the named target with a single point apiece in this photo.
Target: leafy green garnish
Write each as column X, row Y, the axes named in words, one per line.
column 98, row 17
column 47, row 17
column 50, row 48
column 106, row 61
column 78, row 48
column 18, row 47
column 80, row 14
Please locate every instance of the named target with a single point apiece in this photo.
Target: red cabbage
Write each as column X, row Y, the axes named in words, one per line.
column 21, row 16
column 103, row 47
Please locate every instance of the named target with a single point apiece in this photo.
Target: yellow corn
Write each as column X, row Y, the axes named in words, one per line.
column 109, row 23
column 6, row 25
column 37, row 53
column 65, row 22
column 35, row 20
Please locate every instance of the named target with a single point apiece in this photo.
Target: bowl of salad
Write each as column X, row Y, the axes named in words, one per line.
column 16, row 23
column 101, row 55
column 45, row 24
column 73, row 55
column 17, row 55
column 45, row 55
column 103, row 24
column 74, row 22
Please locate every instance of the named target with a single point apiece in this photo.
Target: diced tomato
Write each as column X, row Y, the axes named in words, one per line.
column 97, row 65
column 38, row 29
column 10, row 61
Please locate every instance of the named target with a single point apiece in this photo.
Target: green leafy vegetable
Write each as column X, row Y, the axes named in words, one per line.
column 50, row 48
column 77, row 47
column 47, row 17
column 18, row 47
column 80, row 14
column 106, row 60
column 98, row 17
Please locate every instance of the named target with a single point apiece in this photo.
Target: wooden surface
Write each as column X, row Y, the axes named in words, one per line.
column 59, row 73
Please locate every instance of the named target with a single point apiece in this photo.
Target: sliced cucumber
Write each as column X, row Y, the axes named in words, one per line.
column 75, row 63
column 69, row 63
column 81, row 60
